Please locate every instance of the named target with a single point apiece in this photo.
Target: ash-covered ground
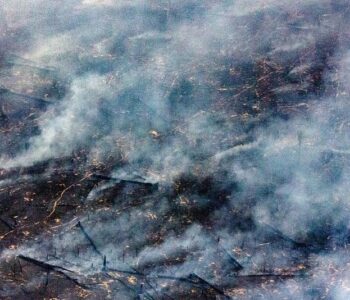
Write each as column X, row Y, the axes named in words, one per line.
column 174, row 149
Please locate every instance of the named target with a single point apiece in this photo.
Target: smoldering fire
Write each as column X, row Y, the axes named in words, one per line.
column 174, row 149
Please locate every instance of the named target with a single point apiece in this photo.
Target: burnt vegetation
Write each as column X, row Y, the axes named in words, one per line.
column 170, row 160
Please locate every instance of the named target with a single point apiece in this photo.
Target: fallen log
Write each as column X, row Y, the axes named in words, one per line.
column 35, row 99
column 49, row 267
column 7, row 224
column 285, row 237
column 87, row 236
column 195, row 279
column 15, row 60
column 42, row 264
column 270, row 275
column 234, row 262
column 135, row 272
column 151, row 186
column 232, row 152
column 122, row 181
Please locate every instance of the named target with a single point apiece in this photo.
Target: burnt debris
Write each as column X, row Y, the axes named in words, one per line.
column 174, row 149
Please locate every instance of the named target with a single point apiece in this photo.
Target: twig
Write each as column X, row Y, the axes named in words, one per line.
column 55, row 204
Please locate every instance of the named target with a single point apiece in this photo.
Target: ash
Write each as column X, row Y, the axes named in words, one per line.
column 174, row 149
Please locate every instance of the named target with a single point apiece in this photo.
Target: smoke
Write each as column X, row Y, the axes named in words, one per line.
column 237, row 108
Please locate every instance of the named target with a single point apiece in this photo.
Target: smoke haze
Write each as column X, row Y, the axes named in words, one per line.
column 238, row 110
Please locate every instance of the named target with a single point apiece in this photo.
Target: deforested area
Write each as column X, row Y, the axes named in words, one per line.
column 172, row 149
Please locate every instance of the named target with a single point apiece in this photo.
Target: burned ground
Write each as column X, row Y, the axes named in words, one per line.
column 188, row 150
